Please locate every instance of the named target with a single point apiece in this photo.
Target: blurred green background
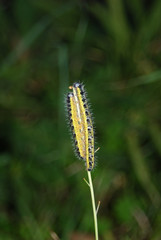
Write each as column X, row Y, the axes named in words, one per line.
column 114, row 48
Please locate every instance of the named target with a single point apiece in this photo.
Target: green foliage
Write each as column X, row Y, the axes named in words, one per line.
column 114, row 48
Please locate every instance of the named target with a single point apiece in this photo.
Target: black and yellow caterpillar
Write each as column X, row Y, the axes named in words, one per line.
column 81, row 124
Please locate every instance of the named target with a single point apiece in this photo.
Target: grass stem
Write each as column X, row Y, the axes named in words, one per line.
column 93, row 205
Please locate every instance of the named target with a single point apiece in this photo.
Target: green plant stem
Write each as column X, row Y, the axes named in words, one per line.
column 93, row 205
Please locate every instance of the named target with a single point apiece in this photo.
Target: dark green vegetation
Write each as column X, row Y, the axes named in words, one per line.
column 114, row 47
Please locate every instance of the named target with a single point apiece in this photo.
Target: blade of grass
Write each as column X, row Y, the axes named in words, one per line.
column 141, row 169
column 24, row 44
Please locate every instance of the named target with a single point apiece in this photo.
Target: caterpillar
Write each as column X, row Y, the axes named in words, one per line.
column 81, row 124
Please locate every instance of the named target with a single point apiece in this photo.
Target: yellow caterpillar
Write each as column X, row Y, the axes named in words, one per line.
column 81, row 124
